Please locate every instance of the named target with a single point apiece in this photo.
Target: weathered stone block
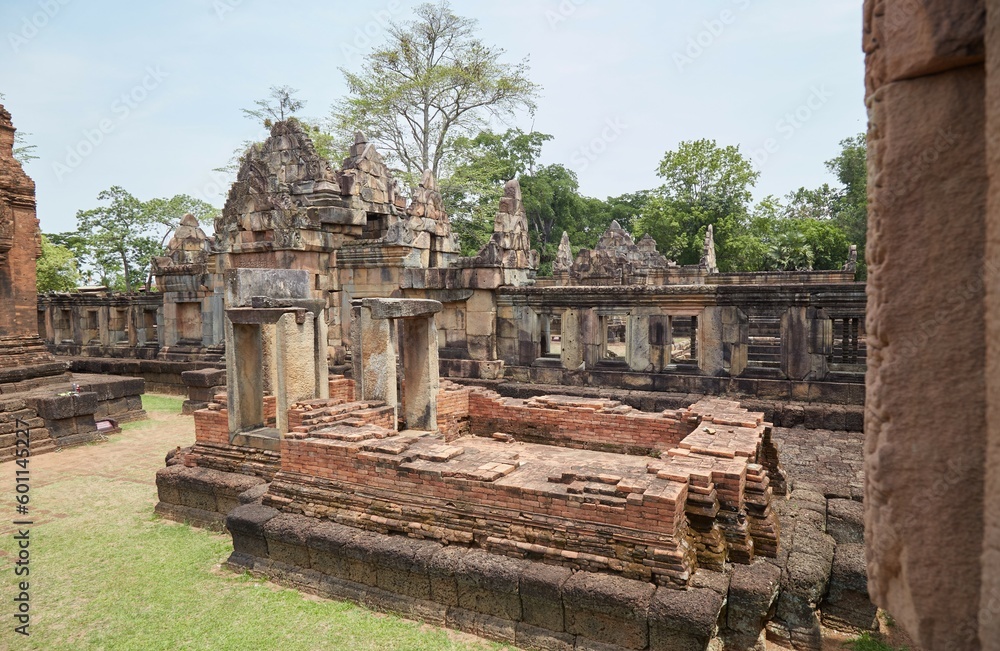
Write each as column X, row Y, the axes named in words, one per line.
column 847, row 605
column 845, row 521
column 752, row 594
column 906, row 39
column 683, row 620
column 541, row 595
column 246, row 524
column 527, row 636
column 608, row 609
column 488, row 583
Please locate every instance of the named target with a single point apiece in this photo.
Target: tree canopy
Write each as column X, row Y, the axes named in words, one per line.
column 56, row 268
column 432, row 83
column 117, row 241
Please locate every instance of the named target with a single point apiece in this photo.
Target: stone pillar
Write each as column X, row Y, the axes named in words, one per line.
column 374, row 358
column 244, row 381
column 806, row 340
column 637, row 348
column 294, row 364
column 711, row 359
column 420, row 370
column 735, row 340
column 591, row 337
column 528, row 345
column 989, row 600
column 926, row 403
column 661, row 339
column 571, row 344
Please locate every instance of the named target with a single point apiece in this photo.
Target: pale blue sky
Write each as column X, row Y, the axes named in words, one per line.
column 623, row 82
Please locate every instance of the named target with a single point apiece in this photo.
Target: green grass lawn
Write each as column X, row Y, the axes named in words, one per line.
column 108, row 574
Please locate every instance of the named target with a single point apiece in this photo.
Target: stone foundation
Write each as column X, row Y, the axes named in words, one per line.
column 59, row 417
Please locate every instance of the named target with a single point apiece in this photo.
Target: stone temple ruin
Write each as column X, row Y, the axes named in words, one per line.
column 553, row 462
column 539, row 521
column 561, row 462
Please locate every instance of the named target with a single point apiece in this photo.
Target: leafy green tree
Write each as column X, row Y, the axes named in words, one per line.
column 480, row 167
column 703, row 184
column 431, row 83
column 117, row 234
column 122, row 237
column 790, row 251
column 56, row 268
column 820, row 203
column 851, row 204
column 827, row 241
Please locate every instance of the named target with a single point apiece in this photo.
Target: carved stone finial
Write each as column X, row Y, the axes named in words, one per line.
column 564, row 256
column 708, row 260
column 852, row 259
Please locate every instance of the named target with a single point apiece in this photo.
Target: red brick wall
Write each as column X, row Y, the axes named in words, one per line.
column 453, row 410
column 635, row 432
column 341, row 389
column 371, row 490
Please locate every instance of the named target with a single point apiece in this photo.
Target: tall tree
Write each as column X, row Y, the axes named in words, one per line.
column 117, row 234
column 121, row 238
column 480, row 166
column 56, row 268
column 433, row 82
column 703, row 184
column 851, row 204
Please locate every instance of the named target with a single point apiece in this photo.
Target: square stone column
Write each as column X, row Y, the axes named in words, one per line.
column 420, row 369
column 571, row 344
column 637, row 347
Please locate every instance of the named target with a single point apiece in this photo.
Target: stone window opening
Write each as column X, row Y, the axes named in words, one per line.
column 684, row 338
column 92, row 326
column 149, row 326
column 42, row 327
column 613, row 329
column 376, row 226
column 118, row 326
column 765, row 342
column 63, row 326
column 848, row 342
column 552, row 336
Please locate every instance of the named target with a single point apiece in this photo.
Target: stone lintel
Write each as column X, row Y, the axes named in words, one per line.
column 401, row 308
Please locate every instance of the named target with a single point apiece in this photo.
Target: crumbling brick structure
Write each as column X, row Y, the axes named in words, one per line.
column 550, row 522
